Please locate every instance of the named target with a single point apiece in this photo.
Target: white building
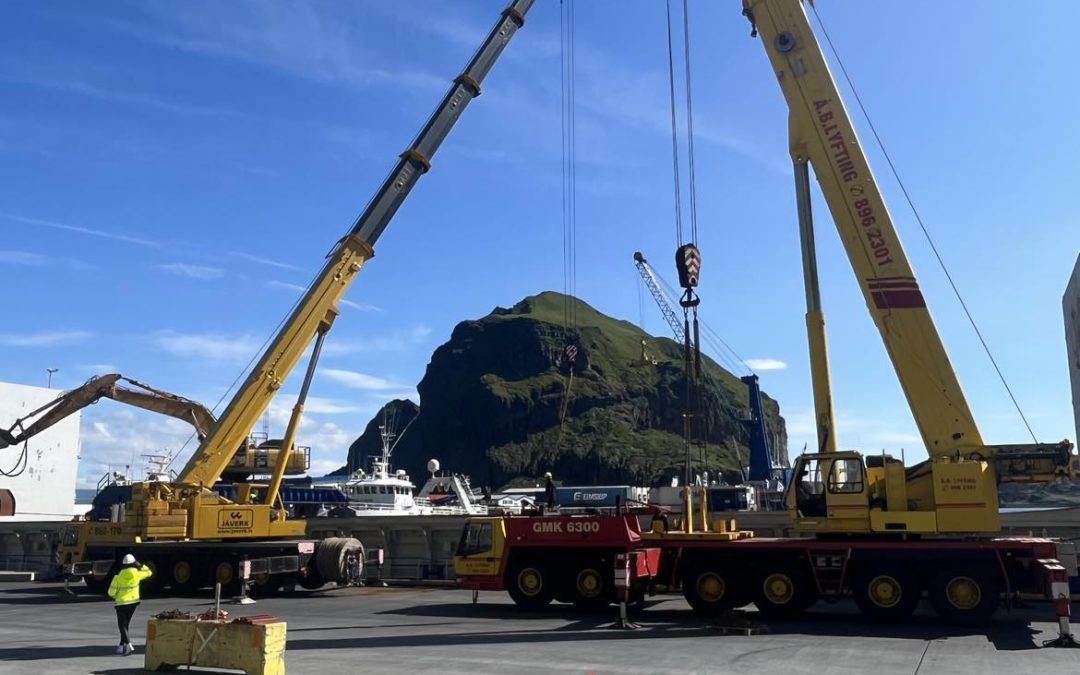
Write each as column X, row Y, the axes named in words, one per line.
column 1071, row 305
column 43, row 484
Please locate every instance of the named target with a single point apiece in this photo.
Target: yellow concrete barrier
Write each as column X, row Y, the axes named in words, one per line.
column 256, row 648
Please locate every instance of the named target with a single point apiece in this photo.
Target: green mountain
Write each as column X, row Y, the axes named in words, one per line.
column 492, row 398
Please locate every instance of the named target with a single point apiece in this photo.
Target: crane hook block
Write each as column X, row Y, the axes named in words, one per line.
column 688, row 263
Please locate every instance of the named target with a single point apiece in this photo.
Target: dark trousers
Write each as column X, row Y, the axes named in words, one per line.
column 123, row 620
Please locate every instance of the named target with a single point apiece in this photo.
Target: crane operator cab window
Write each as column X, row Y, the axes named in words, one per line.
column 809, row 490
column 475, row 539
column 846, row 476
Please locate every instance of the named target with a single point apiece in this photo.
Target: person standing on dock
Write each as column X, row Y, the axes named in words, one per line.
column 549, row 490
column 124, row 590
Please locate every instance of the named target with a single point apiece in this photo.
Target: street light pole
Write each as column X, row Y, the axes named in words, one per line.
column 50, row 371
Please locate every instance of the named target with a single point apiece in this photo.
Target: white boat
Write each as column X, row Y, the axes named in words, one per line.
column 384, row 491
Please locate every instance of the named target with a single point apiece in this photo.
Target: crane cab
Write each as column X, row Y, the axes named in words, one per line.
column 829, row 492
column 844, row 492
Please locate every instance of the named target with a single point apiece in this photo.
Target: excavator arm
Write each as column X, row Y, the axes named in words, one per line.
column 106, row 386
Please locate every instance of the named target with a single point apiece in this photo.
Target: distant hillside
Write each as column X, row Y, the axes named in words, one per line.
column 491, row 398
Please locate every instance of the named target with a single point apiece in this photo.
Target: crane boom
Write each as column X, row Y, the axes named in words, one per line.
column 317, row 309
column 651, row 282
column 955, row 490
column 822, row 133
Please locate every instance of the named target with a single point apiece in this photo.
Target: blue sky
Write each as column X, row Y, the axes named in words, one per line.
column 173, row 174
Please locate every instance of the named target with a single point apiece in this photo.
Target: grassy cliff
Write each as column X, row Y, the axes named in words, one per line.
column 492, row 395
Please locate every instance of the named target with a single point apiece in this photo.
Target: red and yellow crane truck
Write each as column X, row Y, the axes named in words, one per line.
column 877, row 531
column 572, row 558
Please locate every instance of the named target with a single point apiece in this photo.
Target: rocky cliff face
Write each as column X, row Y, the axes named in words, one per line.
column 492, row 397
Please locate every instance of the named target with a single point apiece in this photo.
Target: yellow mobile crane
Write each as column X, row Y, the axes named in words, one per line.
column 955, row 489
column 186, row 529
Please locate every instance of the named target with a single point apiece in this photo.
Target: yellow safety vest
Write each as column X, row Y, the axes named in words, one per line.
column 124, row 588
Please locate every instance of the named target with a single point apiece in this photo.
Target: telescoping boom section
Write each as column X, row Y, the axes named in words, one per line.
column 159, row 513
column 956, row 489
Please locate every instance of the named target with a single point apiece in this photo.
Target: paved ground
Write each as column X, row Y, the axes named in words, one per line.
column 438, row 630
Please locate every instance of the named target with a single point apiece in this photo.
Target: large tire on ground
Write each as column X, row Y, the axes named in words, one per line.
column 592, row 585
column 183, row 576
column 332, row 558
column 530, row 585
column 784, row 590
column 966, row 595
column 886, row 592
column 710, row 588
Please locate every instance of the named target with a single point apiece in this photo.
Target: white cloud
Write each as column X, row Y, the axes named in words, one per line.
column 393, row 342
column 321, row 467
column 115, row 436
column 193, row 271
column 211, row 346
column 22, row 258
column 297, row 288
column 766, row 364
column 44, row 338
column 292, row 38
column 359, row 305
column 388, row 396
column 355, row 380
column 329, row 406
column 81, row 230
column 99, row 368
column 285, row 285
column 266, row 261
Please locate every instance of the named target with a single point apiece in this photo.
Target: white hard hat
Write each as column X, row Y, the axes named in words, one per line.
column 128, row 560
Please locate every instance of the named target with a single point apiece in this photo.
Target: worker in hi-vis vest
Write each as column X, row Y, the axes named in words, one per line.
column 124, row 589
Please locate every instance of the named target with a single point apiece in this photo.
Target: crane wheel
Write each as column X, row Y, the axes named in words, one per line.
column 183, row 577
column 225, row 574
column 886, row 593
column 709, row 589
column 784, row 590
column 966, row 595
column 529, row 585
column 592, row 587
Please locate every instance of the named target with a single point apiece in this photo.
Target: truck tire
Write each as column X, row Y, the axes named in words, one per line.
column 592, row 586
column 784, row 590
column 223, row 571
column 530, row 585
column 184, row 577
column 710, row 589
column 967, row 595
column 331, row 558
column 886, row 593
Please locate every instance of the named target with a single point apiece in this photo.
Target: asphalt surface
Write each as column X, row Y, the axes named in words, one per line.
column 400, row 630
